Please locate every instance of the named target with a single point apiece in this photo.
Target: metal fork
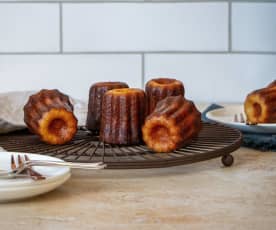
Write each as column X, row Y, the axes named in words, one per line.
column 20, row 170
column 239, row 118
column 98, row 165
column 26, row 165
column 14, row 172
column 30, row 171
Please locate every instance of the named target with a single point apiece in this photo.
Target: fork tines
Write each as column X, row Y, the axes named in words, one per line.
column 239, row 118
column 13, row 165
column 24, row 168
column 242, row 118
column 31, row 171
column 19, row 160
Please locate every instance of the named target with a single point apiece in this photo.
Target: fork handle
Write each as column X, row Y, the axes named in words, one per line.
column 99, row 165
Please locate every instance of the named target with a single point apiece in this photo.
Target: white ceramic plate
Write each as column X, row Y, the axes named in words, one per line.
column 21, row 188
column 226, row 116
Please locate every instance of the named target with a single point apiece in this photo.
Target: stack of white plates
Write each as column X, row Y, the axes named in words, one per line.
column 21, row 188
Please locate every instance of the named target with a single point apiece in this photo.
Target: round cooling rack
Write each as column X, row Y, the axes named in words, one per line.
column 213, row 141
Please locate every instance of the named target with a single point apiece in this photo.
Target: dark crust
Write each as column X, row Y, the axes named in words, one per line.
column 267, row 100
column 267, row 95
column 184, row 114
column 156, row 92
column 96, row 93
column 41, row 103
column 122, row 117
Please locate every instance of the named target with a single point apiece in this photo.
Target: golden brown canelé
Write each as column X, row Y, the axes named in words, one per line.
column 260, row 106
column 49, row 114
column 160, row 88
column 123, row 114
column 96, row 93
column 173, row 124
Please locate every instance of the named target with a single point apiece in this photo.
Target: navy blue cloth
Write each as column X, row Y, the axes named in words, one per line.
column 263, row 142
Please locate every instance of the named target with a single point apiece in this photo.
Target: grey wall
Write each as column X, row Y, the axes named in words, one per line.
column 220, row 49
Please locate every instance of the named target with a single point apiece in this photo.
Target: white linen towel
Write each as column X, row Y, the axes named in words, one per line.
column 11, row 110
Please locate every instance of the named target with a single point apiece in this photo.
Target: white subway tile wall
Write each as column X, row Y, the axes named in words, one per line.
column 254, row 26
column 145, row 27
column 220, row 49
column 216, row 78
column 72, row 74
column 29, row 27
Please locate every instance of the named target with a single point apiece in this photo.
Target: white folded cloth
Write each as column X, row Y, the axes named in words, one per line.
column 11, row 110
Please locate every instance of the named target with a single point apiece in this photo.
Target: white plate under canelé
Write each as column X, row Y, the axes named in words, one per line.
column 226, row 116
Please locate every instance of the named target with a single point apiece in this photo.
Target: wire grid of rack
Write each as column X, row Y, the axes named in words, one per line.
column 213, row 141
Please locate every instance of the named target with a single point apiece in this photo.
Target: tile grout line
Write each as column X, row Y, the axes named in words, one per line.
column 60, row 28
column 139, row 53
column 143, row 69
column 109, row 1
column 184, row 1
column 135, row 1
column 230, row 26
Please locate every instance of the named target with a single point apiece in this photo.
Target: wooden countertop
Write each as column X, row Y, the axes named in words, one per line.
column 204, row 195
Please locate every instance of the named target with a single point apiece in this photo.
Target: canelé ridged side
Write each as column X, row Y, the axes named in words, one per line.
column 49, row 114
column 160, row 88
column 96, row 93
column 174, row 123
column 123, row 114
column 260, row 106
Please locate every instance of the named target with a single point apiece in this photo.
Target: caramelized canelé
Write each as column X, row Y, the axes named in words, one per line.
column 123, row 114
column 174, row 123
column 96, row 93
column 49, row 114
column 160, row 88
column 260, row 105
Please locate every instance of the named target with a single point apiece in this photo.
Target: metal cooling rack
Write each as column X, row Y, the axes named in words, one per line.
column 213, row 141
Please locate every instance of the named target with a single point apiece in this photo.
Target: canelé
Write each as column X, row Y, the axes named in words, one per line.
column 123, row 114
column 49, row 114
column 260, row 106
column 173, row 124
column 96, row 93
column 160, row 88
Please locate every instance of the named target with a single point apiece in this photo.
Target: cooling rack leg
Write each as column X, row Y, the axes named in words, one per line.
column 227, row 160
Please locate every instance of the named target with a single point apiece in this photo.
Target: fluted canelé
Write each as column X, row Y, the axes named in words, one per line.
column 260, row 106
column 96, row 93
column 123, row 114
column 173, row 124
column 160, row 88
column 49, row 114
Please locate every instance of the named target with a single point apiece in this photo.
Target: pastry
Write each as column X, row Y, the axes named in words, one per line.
column 160, row 88
column 173, row 124
column 96, row 93
column 123, row 114
column 49, row 114
column 260, row 106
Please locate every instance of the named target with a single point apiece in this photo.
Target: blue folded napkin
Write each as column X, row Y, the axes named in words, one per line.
column 263, row 142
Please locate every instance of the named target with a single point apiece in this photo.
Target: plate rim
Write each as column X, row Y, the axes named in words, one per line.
column 46, row 189
column 19, row 188
column 212, row 118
